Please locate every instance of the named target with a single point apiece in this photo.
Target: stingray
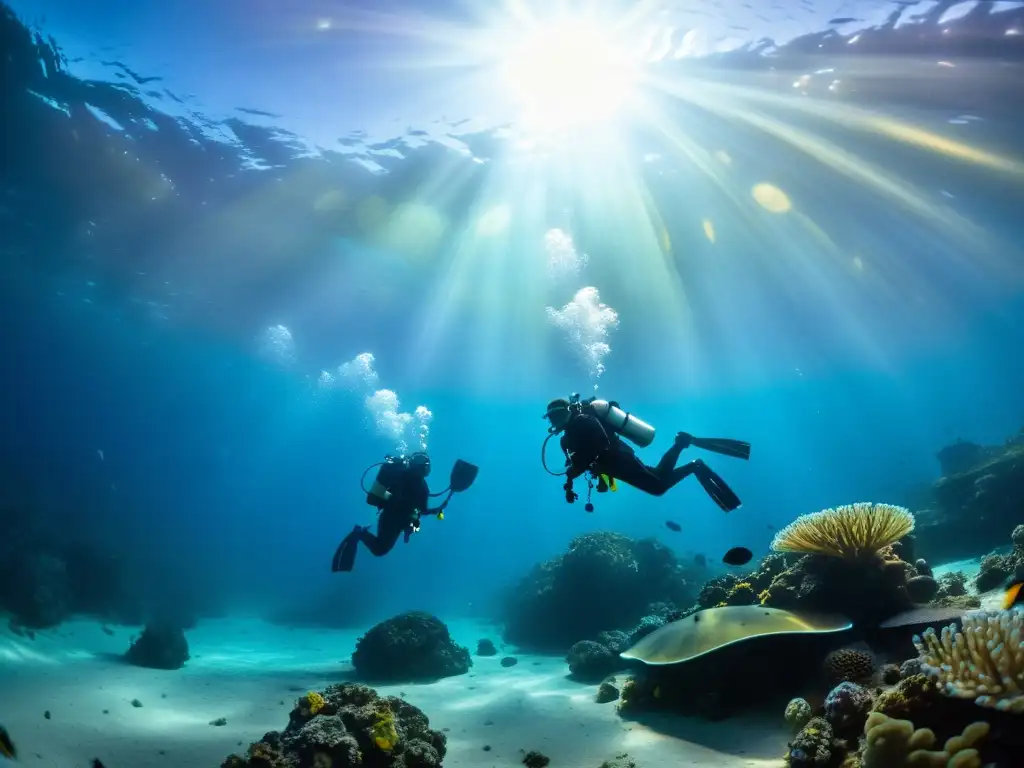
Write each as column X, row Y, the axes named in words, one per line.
column 924, row 615
column 714, row 628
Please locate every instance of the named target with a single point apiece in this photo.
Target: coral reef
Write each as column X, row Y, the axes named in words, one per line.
column 976, row 501
column 591, row 662
column 160, row 646
column 813, row 746
column 353, row 726
column 851, row 532
column 996, row 569
column 846, row 708
column 984, row 662
column 848, row 665
column 895, row 743
column 604, row 581
column 410, row 646
column 798, row 714
column 952, row 584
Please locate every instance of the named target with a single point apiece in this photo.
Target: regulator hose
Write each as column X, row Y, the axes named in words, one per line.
column 543, row 456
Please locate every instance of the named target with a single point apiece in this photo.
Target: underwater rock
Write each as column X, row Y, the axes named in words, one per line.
column 486, row 647
column 614, row 640
column 606, row 693
column 410, row 646
column 604, row 581
column 160, row 646
column 922, row 589
column 346, row 726
column 619, row 761
column 509, row 661
column 976, row 505
column 535, row 759
column 35, row 588
column 590, row 662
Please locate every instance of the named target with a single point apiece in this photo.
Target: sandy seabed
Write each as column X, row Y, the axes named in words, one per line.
column 250, row 673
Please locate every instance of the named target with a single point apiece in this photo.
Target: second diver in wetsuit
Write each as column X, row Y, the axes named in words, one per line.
column 400, row 514
column 591, row 443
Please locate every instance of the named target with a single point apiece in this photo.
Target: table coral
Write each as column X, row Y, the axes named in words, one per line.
column 984, row 662
column 850, row 532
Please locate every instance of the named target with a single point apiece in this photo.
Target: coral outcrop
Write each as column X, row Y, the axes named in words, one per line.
column 591, row 662
column 848, row 665
column 160, row 646
column 410, row 646
column 605, row 581
column 351, row 726
column 997, row 568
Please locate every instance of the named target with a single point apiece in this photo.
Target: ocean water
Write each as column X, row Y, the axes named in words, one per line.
column 251, row 248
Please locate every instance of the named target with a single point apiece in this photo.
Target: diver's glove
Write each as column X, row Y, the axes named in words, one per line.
column 684, row 440
column 570, row 494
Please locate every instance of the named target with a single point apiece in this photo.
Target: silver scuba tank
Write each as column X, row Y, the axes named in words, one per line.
column 635, row 430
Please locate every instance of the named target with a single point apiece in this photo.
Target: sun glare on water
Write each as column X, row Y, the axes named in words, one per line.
column 568, row 73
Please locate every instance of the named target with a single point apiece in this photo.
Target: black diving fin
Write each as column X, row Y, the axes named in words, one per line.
column 345, row 556
column 737, row 449
column 463, row 476
column 716, row 488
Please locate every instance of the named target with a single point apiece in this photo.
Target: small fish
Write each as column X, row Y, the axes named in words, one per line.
column 738, row 556
column 657, row 691
column 6, row 745
column 1013, row 595
column 700, row 561
column 672, row 525
column 99, row 452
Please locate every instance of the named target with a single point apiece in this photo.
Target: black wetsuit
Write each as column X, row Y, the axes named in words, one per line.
column 589, row 446
column 400, row 515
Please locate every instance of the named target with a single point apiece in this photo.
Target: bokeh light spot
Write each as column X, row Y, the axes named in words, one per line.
column 709, row 230
column 771, row 198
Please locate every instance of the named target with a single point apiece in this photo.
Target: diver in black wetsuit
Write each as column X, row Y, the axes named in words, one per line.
column 400, row 514
column 591, row 443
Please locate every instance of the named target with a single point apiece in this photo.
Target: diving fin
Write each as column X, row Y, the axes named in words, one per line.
column 463, row 476
column 716, row 488
column 737, row 449
column 345, row 556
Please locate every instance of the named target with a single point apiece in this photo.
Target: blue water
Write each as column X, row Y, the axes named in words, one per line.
column 154, row 230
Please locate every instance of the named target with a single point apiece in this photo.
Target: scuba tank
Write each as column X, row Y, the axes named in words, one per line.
column 391, row 471
column 627, row 425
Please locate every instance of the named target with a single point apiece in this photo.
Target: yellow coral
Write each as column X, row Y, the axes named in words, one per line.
column 851, row 531
column 984, row 662
column 385, row 736
column 895, row 743
column 316, row 702
column 764, row 596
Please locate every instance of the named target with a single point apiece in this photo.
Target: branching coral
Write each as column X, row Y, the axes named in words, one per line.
column 895, row 744
column 983, row 662
column 851, row 532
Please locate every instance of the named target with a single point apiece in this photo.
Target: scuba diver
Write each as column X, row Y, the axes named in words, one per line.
column 592, row 432
column 401, row 494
